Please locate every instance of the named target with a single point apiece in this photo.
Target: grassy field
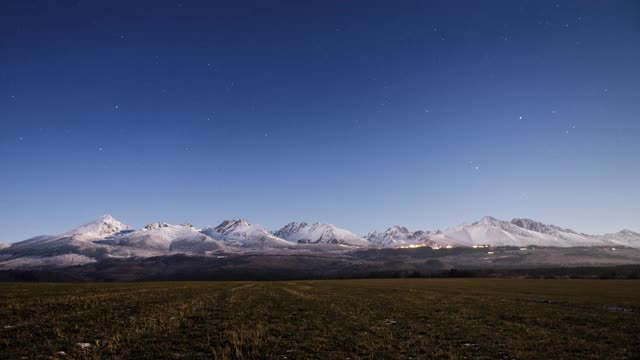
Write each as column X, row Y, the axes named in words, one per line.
column 343, row 319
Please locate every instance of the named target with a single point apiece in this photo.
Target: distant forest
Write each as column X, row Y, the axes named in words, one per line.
column 607, row 272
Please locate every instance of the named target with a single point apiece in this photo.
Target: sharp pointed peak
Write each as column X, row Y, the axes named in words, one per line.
column 104, row 225
column 297, row 223
column 490, row 220
column 156, row 225
column 233, row 223
column 398, row 228
column 627, row 231
column 104, row 218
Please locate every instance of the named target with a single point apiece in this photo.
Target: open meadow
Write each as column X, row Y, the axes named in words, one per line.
column 337, row 319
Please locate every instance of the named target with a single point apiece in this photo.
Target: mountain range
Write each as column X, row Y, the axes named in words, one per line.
column 108, row 238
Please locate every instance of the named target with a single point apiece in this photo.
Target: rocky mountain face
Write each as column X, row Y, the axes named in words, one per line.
column 517, row 232
column 319, row 234
column 623, row 238
column 241, row 233
column 104, row 226
column 399, row 236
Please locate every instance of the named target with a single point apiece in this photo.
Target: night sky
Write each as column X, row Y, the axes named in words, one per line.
column 364, row 114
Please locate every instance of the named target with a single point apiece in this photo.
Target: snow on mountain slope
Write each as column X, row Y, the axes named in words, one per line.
column 107, row 237
column 568, row 237
column 623, row 238
column 33, row 240
column 103, row 226
column 3, row 245
column 54, row 245
column 398, row 236
column 165, row 238
column 319, row 234
column 518, row 232
column 240, row 233
column 155, row 225
column 47, row 262
column 538, row 226
column 77, row 241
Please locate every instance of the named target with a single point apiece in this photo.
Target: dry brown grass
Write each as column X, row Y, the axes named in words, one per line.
column 356, row 319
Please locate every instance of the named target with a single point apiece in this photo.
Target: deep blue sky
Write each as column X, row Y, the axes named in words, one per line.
column 364, row 114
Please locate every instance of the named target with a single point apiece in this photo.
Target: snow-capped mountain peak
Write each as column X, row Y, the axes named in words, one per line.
column 397, row 229
column 488, row 220
column 103, row 226
column 107, row 237
column 398, row 236
column 165, row 238
column 517, row 232
column 538, row 226
column 301, row 232
column 244, row 234
column 155, row 225
column 623, row 237
column 232, row 225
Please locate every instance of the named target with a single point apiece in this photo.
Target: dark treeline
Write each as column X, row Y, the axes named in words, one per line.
column 587, row 272
column 275, row 274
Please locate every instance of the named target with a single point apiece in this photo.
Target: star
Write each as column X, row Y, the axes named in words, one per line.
column 99, row 149
column 477, row 168
column 116, row 106
column 520, row 117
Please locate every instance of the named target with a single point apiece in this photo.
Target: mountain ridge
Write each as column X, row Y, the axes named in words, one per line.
column 317, row 233
column 106, row 237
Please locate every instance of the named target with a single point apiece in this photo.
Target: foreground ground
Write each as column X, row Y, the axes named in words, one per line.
column 356, row 319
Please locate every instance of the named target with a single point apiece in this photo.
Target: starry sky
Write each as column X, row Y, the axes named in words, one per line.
column 364, row 114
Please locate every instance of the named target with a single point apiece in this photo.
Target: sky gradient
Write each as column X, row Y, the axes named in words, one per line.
column 364, row 114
